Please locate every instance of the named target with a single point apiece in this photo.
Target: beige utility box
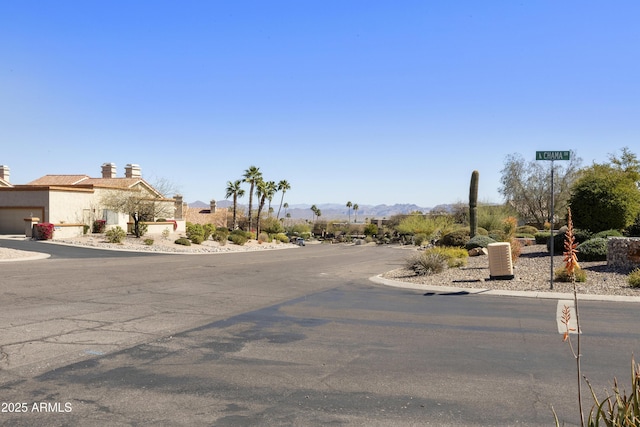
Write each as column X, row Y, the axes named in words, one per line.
column 500, row 265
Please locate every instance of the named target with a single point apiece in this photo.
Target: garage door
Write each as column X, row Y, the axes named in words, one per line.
column 12, row 219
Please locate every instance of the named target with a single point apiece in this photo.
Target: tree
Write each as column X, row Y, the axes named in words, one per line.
column 526, row 186
column 262, row 191
column 283, row 186
column 605, row 197
column 355, row 211
column 271, row 189
column 316, row 212
column 349, row 204
column 234, row 189
column 251, row 176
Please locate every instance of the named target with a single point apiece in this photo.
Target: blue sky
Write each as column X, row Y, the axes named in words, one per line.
column 372, row 102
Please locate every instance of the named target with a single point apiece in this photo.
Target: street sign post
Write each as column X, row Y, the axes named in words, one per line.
column 551, row 156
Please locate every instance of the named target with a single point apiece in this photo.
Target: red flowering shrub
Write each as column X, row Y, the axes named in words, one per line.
column 44, row 231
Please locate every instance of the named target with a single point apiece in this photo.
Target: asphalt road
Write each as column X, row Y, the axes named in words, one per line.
column 290, row 337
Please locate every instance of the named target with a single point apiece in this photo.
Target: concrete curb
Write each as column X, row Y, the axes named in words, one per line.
column 498, row 292
column 33, row 257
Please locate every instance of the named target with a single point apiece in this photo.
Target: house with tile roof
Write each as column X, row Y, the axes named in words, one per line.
column 80, row 200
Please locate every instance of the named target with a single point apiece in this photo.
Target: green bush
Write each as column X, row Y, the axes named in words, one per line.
column 561, row 275
column 527, row 229
column 454, row 256
column 457, row 238
column 148, row 242
column 370, row 230
column 593, row 250
column 498, row 235
column 271, row 225
column 238, row 239
column 419, row 239
column 634, row 278
column 281, row 237
column 608, row 233
column 183, row 241
column 426, row 263
column 207, row 231
column 197, row 239
column 581, row 236
column 195, row 233
column 542, row 237
column 220, row 235
column 479, row 241
column 142, row 228
column 263, row 237
column 115, row 234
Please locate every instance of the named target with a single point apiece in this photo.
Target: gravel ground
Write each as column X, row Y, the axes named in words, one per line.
column 531, row 271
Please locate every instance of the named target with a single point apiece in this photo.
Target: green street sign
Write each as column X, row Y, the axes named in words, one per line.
column 553, row 155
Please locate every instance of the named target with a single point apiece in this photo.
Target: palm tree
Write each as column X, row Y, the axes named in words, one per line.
column 283, row 186
column 349, row 204
column 286, row 206
column 272, row 188
column 355, row 211
column 263, row 189
column 251, row 175
column 234, row 189
column 314, row 209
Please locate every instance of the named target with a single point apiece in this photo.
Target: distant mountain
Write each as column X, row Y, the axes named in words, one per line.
column 331, row 211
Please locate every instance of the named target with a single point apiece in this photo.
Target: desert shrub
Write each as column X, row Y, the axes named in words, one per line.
column 482, row 231
column 238, row 239
column 148, row 242
column 197, row 239
column 509, row 226
column 498, row 235
column 430, row 226
column 370, row 230
column 491, row 217
column 165, row 233
column 426, row 263
column 593, row 250
column 419, row 239
column 44, row 231
column 479, row 241
column 527, row 229
column 561, row 275
column 622, row 409
column 161, row 220
column 271, row 225
column 634, row 278
column 457, row 238
column 195, row 233
column 516, row 250
column 142, row 228
column 263, row 237
column 207, row 231
column 607, row 233
column 183, row 241
column 454, row 256
column 542, row 237
column 85, row 229
column 221, row 235
column 281, row 237
column 524, row 236
column 368, row 239
column 99, row 225
column 115, row 234
column 581, row 236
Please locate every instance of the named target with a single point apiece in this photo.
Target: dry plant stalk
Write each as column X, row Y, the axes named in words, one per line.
column 570, row 260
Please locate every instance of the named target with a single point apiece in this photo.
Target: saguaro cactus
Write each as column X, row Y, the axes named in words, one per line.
column 473, row 203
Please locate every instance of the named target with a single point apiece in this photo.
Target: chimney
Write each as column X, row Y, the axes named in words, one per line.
column 4, row 172
column 212, row 205
column 132, row 171
column 108, row 170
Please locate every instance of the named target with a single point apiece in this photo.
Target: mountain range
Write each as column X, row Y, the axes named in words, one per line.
column 335, row 210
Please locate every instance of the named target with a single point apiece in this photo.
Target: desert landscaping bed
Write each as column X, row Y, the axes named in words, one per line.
column 531, row 273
